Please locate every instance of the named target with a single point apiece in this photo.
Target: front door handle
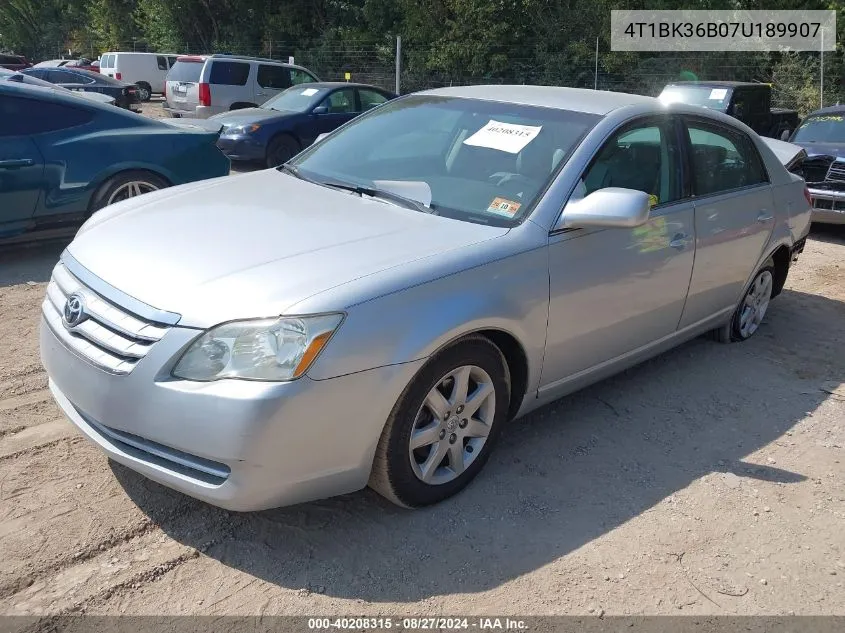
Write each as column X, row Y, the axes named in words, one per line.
column 260, row 94
column 14, row 163
column 680, row 241
column 764, row 216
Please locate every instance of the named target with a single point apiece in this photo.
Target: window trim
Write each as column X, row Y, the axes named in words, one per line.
column 685, row 119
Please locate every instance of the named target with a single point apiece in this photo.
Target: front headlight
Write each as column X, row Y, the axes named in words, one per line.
column 241, row 129
column 266, row 349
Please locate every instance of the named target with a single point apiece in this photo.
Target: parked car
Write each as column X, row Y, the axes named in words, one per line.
column 146, row 70
column 822, row 135
column 63, row 157
column 430, row 289
column 203, row 85
column 8, row 75
column 83, row 63
column 13, row 62
column 748, row 102
column 289, row 122
column 125, row 95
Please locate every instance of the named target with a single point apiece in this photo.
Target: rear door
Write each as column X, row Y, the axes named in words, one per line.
column 734, row 215
column 183, row 84
column 369, row 99
column 270, row 80
column 230, row 85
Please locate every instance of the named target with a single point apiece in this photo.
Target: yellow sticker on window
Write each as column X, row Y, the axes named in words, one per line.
column 504, row 207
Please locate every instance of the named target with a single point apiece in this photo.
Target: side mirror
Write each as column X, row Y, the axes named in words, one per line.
column 610, row 207
column 784, row 136
column 321, row 137
column 321, row 109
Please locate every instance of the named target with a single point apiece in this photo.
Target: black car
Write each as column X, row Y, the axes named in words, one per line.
column 125, row 95
column 292, row 120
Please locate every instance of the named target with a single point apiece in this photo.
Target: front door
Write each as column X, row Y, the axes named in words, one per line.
column 339, row 108
column 21, row 164
column 615, row 290
column 734, row 216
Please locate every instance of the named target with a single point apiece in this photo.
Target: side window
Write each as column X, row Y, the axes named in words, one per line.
column 38, row 73
column 641, row 157
column 298, row 76
column 229, row 73
column 171, row 60
column 722, row 159
column 161, row 60
column 270, row 76
column 60, row 77
column 21, row 116
column 340, row 101
column 370, row 99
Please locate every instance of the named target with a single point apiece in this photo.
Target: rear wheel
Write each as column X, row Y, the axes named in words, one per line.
column 444, row 426
column 126, row 185
column 144, row 90
column 752, row 308
column 281, row 150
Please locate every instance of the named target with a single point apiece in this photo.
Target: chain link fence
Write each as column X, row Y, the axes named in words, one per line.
column 796, row 78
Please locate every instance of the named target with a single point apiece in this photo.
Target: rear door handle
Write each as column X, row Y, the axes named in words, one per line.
column 680, row 241
column 13, row 163
column 764, row 216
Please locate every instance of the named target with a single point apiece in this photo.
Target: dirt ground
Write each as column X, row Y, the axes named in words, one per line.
column 706, row 481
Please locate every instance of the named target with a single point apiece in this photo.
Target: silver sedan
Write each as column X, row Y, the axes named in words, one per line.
column 376, row 310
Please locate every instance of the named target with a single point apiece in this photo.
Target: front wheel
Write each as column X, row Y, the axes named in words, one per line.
column 281, row 150
column 444, row 426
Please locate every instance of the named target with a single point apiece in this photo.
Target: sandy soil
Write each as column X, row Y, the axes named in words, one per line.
column 706, row 481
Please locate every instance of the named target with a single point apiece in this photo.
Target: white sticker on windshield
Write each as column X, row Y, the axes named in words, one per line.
column 718, row 93
column 505, row 137
column 310, row 91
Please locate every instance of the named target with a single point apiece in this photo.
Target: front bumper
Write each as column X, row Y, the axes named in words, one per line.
column 242, row 147
column 828, row 206
column 240, row 445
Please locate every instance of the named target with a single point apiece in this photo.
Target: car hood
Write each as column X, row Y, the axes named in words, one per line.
column 254, row 245
column 835, row 150
column 249, row 115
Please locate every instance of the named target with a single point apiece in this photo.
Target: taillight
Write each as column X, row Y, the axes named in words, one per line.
column 118, row 76
column 808, row 196
column 205, row 95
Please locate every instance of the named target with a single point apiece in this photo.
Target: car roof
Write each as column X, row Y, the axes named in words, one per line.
column 575, row 99
column 239, row 58
column 718, row 84
column 339, row 84
column 836, row 109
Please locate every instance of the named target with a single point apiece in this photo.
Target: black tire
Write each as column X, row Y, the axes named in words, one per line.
column 111, row 186
column 731, row 332
column 145, row 90
column 281, row 149
column 392, row 475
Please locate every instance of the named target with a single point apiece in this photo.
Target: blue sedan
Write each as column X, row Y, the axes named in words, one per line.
column 292, row 120
column 62, row 158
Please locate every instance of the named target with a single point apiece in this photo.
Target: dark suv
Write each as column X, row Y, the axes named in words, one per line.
column 13, row 62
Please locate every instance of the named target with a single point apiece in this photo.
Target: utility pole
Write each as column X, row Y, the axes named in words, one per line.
column 398, row 63
column 596, row 82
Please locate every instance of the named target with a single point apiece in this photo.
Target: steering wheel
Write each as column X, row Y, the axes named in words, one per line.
column 501, row 178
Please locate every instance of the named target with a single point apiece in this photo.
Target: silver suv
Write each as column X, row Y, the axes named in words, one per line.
column 200, row 86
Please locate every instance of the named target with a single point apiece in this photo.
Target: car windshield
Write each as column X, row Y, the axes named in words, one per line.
column 822, row 128
column 706, row 96
column 483, row 161
column 296, row 99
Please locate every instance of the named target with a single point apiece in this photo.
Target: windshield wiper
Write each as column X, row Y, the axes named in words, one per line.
column 383, row 194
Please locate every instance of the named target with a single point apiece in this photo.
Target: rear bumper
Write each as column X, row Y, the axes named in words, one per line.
column 242, row 147
column 197, row 112
column 828, row 206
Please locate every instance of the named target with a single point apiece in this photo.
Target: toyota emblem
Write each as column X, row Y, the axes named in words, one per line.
column 74, row 311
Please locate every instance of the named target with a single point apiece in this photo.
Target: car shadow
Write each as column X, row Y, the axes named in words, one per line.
column 830, row 233
column 33, row 262
column 560, row 477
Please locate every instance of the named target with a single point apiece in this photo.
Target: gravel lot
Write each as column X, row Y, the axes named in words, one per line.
column 706, row 481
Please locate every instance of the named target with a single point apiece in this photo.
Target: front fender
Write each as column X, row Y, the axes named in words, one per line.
column 510, row 295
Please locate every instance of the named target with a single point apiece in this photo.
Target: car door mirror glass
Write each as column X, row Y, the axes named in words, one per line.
column 609, row 207
column 320, row 109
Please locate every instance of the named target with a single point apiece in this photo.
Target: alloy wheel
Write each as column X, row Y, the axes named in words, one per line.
column 755, row 304
column 452, row 425
column 130, row 190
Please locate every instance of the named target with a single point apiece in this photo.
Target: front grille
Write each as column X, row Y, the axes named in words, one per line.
column 815, row 169
column 836, row 173
column 828, row 205
column 111, row 338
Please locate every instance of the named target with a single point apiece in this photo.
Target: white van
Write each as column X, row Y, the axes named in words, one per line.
column 146, row 70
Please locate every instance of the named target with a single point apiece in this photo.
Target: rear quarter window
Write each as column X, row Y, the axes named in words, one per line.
column 185, row 71
column 229, row 73
column 20, row 116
